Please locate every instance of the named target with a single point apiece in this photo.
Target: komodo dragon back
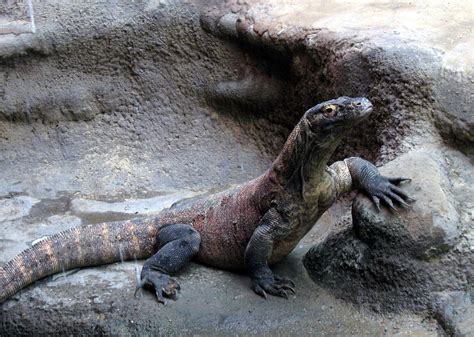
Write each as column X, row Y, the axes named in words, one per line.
column 79, row 247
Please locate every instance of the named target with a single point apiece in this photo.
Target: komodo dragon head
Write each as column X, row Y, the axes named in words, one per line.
column 332, row 118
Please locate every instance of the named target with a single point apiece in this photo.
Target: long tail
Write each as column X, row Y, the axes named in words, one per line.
column 79, row 247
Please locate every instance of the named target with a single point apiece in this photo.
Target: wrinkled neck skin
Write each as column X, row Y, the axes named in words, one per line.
column 304, row 157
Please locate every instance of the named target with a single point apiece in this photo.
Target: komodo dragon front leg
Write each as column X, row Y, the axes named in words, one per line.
column 368, row 178
column 357, row 173
column 273, row 226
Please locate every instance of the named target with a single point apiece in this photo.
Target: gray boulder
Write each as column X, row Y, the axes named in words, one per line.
column 430, row 228
column 412, row 260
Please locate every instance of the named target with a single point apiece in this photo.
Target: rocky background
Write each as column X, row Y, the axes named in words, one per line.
column 114, row 110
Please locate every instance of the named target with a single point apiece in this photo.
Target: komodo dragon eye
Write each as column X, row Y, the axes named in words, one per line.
column 330, row 110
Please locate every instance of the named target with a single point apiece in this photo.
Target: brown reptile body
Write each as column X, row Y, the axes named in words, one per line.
column 253, row 225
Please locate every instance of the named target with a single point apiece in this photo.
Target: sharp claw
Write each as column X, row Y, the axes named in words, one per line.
column 398, row 199
column 140, row 285
column 162, row 283
column 376, row 201
column 389, row 202
column 285, row 281
column 398, row 180
column 137, row 291
column 401, row 193
column 403, row 203
column 260, row 291
column 290, row 289
column 278, row 286
column 392, row 207
column 160, row 298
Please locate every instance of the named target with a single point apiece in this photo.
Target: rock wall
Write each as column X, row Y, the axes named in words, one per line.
column 110, row 100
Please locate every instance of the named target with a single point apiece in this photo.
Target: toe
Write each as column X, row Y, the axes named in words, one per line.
column 276, row 286
column 163, row 284
column 276, row 290
column 259, row 290
column 159, row 297
column 288, row 288
column 284, row 280
column 282, row 293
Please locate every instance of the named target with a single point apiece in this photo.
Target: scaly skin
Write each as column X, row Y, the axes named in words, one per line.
column 248, row 227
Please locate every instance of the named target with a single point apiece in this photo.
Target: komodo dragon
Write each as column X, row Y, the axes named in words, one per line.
column 251, row 226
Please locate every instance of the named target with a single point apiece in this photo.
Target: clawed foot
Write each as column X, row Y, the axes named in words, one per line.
column 277, row 286
column 383, row 188
column 163, row 285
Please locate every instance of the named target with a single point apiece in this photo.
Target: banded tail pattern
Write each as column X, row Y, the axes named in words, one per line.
column 79, row 247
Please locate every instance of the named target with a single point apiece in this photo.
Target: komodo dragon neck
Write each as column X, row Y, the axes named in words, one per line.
column 304, row 157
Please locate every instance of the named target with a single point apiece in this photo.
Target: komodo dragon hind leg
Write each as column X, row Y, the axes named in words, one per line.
column 177, row 244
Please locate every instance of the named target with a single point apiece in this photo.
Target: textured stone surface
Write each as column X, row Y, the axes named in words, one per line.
column 111, row 100
column 16, row 207
column 440, row 28
column 131, row 206
column 455, row 311
column 100, row 300
column 120, row 103
column 412, row 59
column 421, row 259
